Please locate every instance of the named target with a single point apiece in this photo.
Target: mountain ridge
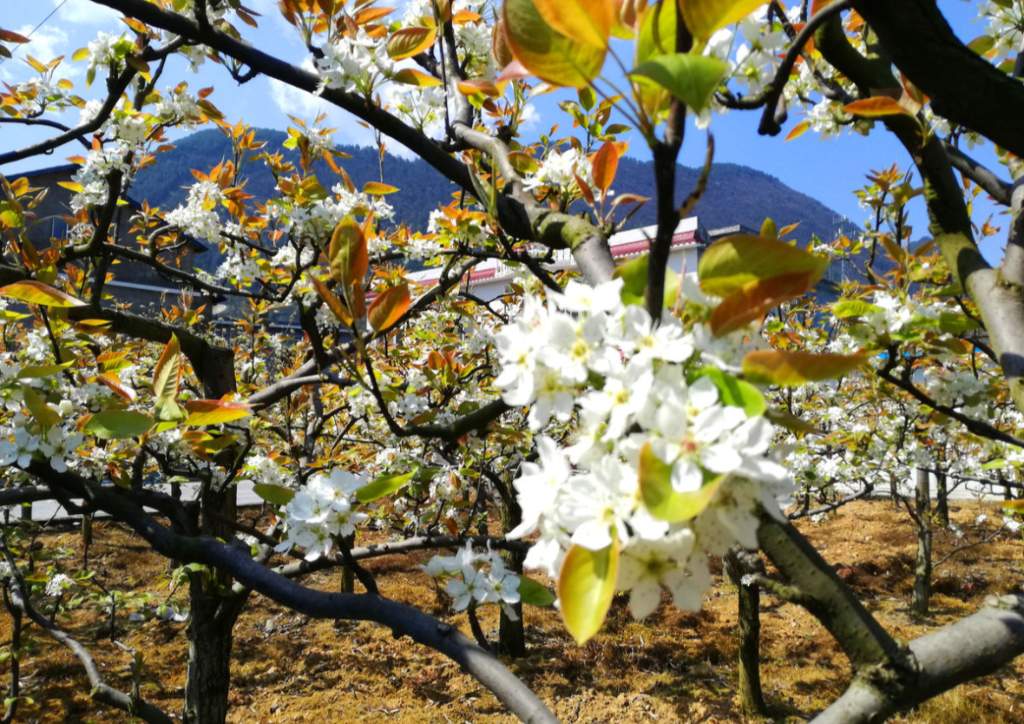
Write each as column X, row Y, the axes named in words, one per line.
column 735, row 193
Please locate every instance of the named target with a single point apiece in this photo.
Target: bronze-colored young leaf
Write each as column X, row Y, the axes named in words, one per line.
column 605, row 165
column 876, row 107
column 389, row 307
column 755, row 299
column 336, row 306
column 35, row 292
column 584, row 21
column 348, row 253
column 732, row 263
column 793, row 368
column 214, row 412
column 407, row 42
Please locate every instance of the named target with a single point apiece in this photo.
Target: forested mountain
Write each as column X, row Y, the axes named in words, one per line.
column 735, row 194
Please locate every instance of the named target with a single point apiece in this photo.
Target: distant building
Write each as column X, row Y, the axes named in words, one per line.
column 489, row 279
column 133, row 282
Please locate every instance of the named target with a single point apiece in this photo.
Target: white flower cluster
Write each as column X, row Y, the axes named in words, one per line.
column 177, row 106
column 475, row 578
column 630, row 384
column 108, row 51
column 316, row 220
column 321, row 512
column 559, row 170
column 354, row 64
column 18, row 446
column 198, row 215
column 57, row 584
column 92, row 174
column 1005, row 27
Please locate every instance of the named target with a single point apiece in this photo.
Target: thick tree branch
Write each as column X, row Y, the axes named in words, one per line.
column 236, row 561
column 964, row 650
column 963, row 86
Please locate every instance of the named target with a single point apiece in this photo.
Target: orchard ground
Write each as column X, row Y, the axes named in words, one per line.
column 673, row 667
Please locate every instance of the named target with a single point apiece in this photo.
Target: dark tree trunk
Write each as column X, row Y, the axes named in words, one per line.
column 941, row 499
column 511, row 632
column 738, row 564
column 208, row 681
column 923, row 564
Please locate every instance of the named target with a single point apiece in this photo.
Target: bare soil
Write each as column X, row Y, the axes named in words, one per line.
column 673, row 667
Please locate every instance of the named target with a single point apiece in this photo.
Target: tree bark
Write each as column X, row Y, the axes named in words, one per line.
column 210, row 630
column 942, row 499
column 923, row 563
column 511, row 632
column 737, row 565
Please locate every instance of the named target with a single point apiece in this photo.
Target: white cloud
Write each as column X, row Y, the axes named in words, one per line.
column 85, row 12
column 348, row 129
column 45, row 44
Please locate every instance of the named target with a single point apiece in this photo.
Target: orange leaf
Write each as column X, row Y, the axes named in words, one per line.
column 585, row 189
column 408, row 42
column 411, row 76
column 389, row 307
column 754, row 300
column 114, row 383
column 333, row 303
column 376, row 188
column 798, row 130
column 10, row 36
column 214, row 412
column 368, row 15
column 604, row 165
column 347, row 253
column 876, row 107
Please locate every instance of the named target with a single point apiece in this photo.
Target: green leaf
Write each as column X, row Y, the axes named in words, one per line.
column 736, row 261
column 42, row 370
column 634, row 281
column 117, row 424
column 586, row 585
column 736, row 392
column 534, row 593
column 545, row 52
column 690, row 78
column 43, row 413
column 850, row 308
column 274, row 494
column 956, row 323
column 383, row 486
column 166, row 377
column 791, row 369
column 662, row 500
column 996, row 464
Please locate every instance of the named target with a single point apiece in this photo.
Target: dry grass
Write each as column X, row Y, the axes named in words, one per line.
column 673, row 667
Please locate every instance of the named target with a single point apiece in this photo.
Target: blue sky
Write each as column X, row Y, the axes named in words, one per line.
column 828, row 170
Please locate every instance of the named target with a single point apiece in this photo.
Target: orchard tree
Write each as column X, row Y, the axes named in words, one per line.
column 617, row 428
